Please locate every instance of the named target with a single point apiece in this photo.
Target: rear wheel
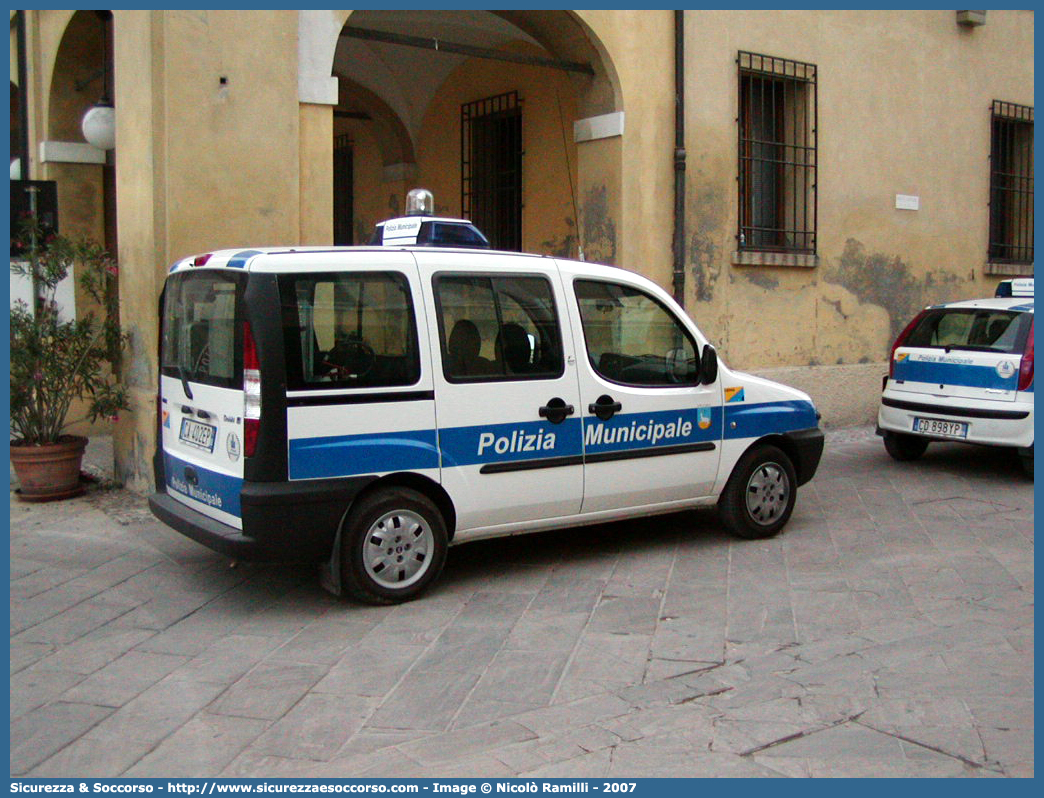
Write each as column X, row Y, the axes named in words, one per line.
column 904, row 447
column 759, row 496
column 393, row 546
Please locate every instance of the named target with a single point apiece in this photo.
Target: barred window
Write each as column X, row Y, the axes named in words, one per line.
column 1011, row 184
column 491, row 168
column 777, row 154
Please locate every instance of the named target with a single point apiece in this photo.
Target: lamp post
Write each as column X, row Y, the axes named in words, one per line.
column 99, row 123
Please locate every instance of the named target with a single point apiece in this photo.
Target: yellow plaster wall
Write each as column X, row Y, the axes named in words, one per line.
column 316, row 177
column 639, row 197
column 141, row 179
column 233, row 148
column 904, row 108
column 547, row 216
column 374, row 198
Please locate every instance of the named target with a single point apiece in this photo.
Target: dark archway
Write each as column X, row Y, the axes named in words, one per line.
column 428, row 87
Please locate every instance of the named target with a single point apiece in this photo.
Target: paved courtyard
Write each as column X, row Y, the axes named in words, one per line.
column 887, row 632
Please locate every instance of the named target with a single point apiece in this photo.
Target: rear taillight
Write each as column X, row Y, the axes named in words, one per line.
column 1026, row 367
column 251, row 392
column 902, row 339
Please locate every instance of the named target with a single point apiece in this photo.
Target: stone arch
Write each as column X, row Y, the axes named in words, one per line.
column 393, row 138
column 75, row 83
column 348, row 74
column 86, row 180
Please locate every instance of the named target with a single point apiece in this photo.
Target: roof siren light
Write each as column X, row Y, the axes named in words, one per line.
column 420, row 202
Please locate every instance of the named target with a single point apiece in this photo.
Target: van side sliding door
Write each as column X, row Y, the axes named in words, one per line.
column 508, row 398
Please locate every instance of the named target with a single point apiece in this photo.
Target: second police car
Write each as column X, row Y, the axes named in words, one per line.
column 963, row 371
column 368, row 407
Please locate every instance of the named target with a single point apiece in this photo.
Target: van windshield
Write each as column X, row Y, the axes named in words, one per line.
column 974, row 329
column 201, row 341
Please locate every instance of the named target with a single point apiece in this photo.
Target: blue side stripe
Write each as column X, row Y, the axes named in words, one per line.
column 344, row 455
column 766, row 418
column 629, row 431
column 954, row 374
column 239, row 260
column 211, row 488
column 499, row 443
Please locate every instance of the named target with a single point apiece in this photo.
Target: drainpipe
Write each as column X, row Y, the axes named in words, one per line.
column 678, row 246
column 23, row 95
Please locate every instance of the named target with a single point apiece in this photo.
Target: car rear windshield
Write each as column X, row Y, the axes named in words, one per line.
column 201, row 339
column 977, row 329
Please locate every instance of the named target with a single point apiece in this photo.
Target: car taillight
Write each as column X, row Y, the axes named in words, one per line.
column 1026, row 367
column 902, row 339
column 251, row 392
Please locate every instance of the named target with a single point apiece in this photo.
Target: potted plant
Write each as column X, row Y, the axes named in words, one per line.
column 56, row 361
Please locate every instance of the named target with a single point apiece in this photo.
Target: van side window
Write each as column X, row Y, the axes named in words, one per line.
column 633, row 339
column 200, row 334
column 348, row 330
column 498, row 328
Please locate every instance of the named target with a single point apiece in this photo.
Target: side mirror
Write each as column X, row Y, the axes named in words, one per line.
column 708, row 365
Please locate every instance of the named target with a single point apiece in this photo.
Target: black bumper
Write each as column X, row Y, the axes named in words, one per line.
column 282, row 521
column 808, row 449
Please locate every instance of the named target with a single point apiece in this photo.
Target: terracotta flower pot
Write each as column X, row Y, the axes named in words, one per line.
column 49, row 472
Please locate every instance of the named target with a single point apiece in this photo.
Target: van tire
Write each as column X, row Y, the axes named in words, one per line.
column 759, row 496
column 396, row 531
column 1027, row 463
column 904, row 447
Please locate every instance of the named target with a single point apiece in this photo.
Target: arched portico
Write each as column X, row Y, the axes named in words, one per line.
column 399, row 97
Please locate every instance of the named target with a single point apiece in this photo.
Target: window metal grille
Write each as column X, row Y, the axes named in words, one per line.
column 491, row 168
column 343, row 189
column 1011, row 183
column 777, row 154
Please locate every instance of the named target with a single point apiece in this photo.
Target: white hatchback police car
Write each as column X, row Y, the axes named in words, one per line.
column 963, row 371
column 368, row 407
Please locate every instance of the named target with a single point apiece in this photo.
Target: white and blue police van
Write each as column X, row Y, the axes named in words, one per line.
column 963, row 371
column 365, row 408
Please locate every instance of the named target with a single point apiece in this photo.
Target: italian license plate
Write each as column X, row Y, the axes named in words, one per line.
column 198, row 435
column 935, row 426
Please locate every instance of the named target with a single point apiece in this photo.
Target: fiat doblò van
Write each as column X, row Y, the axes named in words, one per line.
column 369, row 407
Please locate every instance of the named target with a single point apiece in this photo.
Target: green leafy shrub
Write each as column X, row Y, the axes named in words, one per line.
column 56, row 361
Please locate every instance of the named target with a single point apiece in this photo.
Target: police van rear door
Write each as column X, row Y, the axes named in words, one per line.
column 201, row 390
column 968, row 351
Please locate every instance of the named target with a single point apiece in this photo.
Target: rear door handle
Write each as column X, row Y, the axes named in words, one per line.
column 605, row 408
column 556, row 410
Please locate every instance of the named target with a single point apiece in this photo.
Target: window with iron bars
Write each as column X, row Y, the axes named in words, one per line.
column 777, row 154
column 1011, row 183
column 491, row 168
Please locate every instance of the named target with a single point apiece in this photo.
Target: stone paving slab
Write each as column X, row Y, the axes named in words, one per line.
column 887, row 632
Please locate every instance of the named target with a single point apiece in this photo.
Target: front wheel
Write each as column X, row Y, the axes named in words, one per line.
column 393, row 546
column 759, row 496
column 904, row 447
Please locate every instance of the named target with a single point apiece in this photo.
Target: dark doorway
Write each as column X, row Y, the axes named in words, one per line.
column 491, row 168
column 343, row 221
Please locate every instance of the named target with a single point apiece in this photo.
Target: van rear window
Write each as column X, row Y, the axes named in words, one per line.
column 975, row 329
column 201, row 339
column 348, row 330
